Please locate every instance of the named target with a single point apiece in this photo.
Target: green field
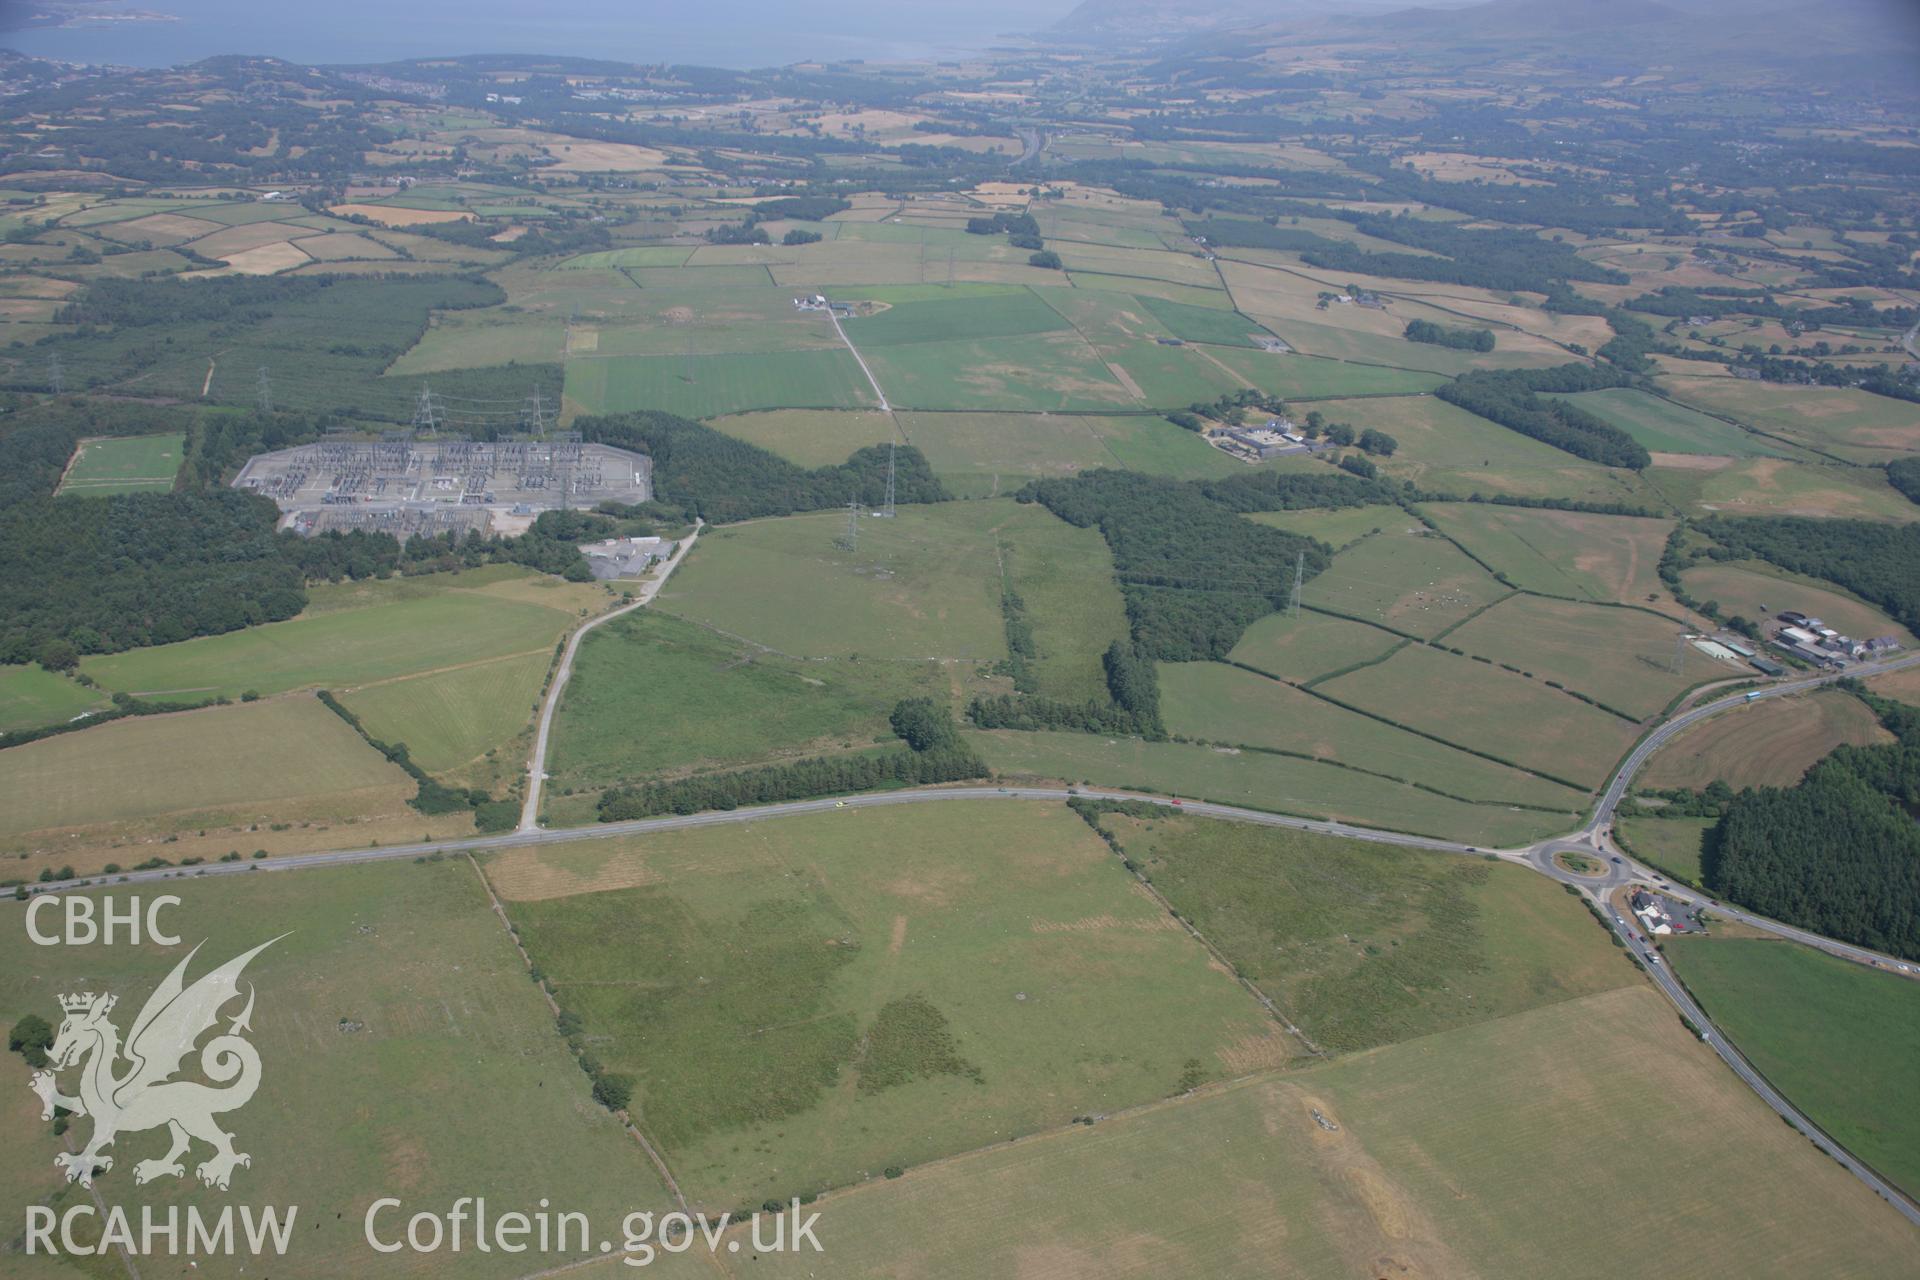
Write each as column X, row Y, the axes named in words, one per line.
column 923, row 585
column 459, row 341
column 651, row 692
column 33, row 696
column 391, row 982
column 640, row 256
column 981, row 454
column 1310, row 646
column 1667, row 426
column 1408, row 579
column 1305, row 377
column 1562, row 553
column 1170, row 377
column 448, row 718
column 1049, row 371
column 1445, row 449
column 806, row 1001
column 1456, row 1156
column 962, row 319
column 1856, row 425
column 810, row 437
column 1339, row 527
column 1213, row 702
column 1498, row 712
column 1203, row 324
column 1671, row 844
column 1839, row 1039
column 371, row 631
column 705, row 386
column 1064, row 577
column 261, row 754
column 124, row 464
column 1622, row 657
column 1284, row 784
column 1364, row 944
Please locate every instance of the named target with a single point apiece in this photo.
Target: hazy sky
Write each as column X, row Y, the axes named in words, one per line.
column 730, row 33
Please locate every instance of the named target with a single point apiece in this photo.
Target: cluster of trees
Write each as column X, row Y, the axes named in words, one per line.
column 1132, row 709
column 719, row 478
column 1508, row 398
column 1840, row 852
column 1022, row 649
column 1228, row 408
column 786, row 208
column 1020, row 228
column 1440, row 336
column 1877, row 562
column 801, row 208
column 1370, row 439
column 1193, row 574
column 934, row 753
column 748, row 232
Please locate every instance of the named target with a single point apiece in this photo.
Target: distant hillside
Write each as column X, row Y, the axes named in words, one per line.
column 1156, row 19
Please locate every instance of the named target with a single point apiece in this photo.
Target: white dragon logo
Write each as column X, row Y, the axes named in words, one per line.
column 143, row 1097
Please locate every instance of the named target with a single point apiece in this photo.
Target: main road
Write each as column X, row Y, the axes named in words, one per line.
column 1592, row 846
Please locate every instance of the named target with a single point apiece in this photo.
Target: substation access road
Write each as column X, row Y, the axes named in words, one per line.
column 1592, row 842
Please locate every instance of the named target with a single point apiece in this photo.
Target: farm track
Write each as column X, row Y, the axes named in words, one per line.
column 537, row 761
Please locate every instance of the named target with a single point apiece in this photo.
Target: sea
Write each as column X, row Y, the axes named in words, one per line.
column 740, row 34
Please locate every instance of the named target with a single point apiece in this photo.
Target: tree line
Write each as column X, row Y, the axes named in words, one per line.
column 1508, row 398
column 720, row 478
column 933, row 753
column 1880, row 563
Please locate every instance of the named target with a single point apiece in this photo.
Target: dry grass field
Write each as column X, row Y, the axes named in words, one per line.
column 403, row 1053
column 391, row 216
column 1563, row 553
column 1769, row 744
column 1483, row 1151
column 1755, row 590
column 284, row 774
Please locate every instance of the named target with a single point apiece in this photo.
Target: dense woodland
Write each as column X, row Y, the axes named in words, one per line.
column 1839, row 853
column 1194, row 575
column 1878, row 562
column 720, row 478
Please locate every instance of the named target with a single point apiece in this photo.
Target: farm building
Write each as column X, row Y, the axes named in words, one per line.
column 623, row 557
column 1651, row 912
